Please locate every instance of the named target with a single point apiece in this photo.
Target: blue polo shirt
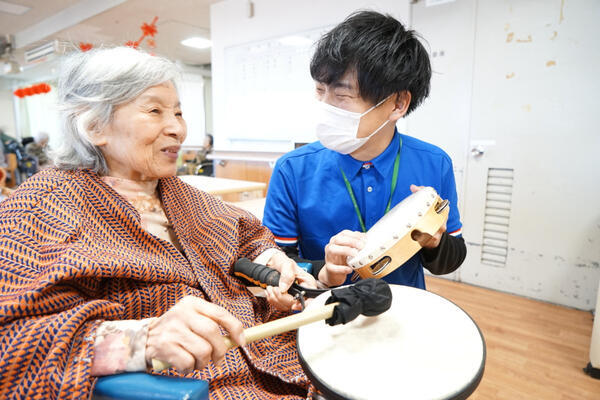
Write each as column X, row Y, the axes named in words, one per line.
column 308, row 203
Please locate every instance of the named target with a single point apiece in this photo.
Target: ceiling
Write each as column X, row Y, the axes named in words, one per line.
column 177, row 20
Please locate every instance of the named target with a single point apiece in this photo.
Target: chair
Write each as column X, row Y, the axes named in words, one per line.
column 13, row 175
column 206, row 168
column 139, row 385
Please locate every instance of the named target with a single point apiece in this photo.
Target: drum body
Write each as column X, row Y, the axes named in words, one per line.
column 423, row 348
column 389, row 241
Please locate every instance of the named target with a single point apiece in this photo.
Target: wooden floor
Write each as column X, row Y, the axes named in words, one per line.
column 535, row 350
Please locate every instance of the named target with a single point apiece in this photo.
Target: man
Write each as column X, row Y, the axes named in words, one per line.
column 369, row 72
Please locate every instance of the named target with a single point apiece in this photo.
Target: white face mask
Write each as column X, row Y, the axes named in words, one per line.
column 337, row 128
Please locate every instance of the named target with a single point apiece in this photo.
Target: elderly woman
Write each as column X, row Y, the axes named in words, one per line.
column 108, row 260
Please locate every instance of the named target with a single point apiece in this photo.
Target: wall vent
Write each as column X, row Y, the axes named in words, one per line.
column 498, row 198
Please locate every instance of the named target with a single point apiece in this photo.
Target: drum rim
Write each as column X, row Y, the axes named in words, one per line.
column 461, row 394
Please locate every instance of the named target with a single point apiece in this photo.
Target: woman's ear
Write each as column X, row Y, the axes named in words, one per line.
column 401, row 104
column 98, row 137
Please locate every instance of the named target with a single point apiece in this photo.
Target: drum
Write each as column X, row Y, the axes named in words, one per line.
column 389, row 242
column 424, row 347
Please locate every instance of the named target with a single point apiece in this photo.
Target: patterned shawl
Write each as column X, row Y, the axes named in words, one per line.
column 73, row 253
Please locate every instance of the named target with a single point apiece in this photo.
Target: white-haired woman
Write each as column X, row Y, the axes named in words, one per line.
column 108, row 260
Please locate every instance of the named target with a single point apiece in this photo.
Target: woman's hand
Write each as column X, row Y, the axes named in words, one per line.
column 290, row 272
column 426, row 240
column 340, row 247
column 188, row 336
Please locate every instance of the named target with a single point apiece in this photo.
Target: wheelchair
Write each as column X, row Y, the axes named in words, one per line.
column 142, row 386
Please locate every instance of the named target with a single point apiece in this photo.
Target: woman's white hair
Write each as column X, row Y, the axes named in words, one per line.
column 91, row 84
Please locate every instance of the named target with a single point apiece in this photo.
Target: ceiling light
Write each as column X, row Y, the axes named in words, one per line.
column 197, row 42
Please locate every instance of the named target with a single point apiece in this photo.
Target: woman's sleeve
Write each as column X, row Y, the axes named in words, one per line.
column 48, row 315
column 254, row 238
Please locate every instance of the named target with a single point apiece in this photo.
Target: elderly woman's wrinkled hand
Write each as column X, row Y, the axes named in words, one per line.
column 290, row 272
column 188, row 335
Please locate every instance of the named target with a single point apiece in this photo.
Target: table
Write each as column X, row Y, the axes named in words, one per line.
column 223, row 187
column 253, row 206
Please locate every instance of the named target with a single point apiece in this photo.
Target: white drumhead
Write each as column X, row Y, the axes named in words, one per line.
column 424, row 347
column 394, row 225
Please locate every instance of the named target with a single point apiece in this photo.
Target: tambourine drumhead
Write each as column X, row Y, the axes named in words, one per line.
column 389, row 243
column 424, row 347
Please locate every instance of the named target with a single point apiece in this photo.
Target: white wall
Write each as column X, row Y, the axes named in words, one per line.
column 231, row 26
column 535, row 95
column 7, row 114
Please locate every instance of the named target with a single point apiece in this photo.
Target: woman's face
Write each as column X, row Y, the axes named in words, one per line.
column 143, row 140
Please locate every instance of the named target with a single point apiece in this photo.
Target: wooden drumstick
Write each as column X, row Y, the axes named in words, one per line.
column 271, row 328
column 368, row 297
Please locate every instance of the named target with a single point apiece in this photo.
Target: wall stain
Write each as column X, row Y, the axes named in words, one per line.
column 527, row 107
column 506, row 26
column 510, row 37
column 550, row 63
column 554, row 35
column 562, row 14
column 510, row 76
column 529, row 39
column 591, row 265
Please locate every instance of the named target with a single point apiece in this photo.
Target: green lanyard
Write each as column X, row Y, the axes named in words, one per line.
column 393, row 188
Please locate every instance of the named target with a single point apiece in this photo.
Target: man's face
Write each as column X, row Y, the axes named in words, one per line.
column 344, row 94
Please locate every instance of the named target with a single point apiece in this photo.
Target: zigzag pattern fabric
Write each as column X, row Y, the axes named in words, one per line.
column 73, row 254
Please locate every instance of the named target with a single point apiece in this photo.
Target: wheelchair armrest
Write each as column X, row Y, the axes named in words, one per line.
column 139, row 385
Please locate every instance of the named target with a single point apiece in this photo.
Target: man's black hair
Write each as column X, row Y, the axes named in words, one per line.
column 386, row 57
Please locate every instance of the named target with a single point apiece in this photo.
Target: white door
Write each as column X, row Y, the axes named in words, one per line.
column 532, row 187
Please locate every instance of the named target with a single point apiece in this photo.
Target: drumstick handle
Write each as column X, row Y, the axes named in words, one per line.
column 271, row 328
column 285, row 324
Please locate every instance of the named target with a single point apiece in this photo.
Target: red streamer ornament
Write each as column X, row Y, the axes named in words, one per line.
column 32, row 90
column 85, row 46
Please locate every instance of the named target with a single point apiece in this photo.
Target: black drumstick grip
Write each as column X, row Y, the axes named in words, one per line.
column 257, row 274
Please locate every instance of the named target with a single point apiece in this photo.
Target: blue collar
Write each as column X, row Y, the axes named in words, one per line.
column 383, row 163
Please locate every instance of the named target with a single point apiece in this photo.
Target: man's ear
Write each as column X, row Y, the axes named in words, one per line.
column 401, row 104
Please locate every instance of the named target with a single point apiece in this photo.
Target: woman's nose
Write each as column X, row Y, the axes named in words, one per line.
column 176, row 127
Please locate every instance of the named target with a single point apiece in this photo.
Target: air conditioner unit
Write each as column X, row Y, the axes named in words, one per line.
column 42, row 52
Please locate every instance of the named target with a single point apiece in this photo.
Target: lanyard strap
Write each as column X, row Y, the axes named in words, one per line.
column 392, row 189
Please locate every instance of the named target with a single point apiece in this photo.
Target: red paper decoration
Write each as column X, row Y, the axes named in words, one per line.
column 147, row 30
column 32, row 90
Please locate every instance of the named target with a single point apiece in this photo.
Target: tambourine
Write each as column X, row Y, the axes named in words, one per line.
column 423, row 348
column 389, row 241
